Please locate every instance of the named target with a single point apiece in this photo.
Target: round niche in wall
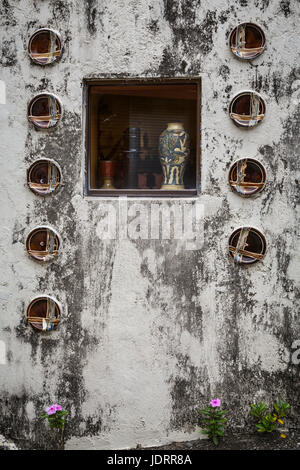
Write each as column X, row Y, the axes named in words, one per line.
column 43, row 313
column 247, row 109
column 247, row 41
column 43, row 177
column 44, row 46
column 247, row 245
column 247, row 177
column 42, row 244
column 44, row 111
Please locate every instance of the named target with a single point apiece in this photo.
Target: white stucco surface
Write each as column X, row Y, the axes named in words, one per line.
column 150, row 331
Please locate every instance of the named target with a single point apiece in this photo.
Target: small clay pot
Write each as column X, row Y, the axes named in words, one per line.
column 107, row 172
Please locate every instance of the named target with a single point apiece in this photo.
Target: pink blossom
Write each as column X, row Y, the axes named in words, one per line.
column 51, row 410
column 216, row 402
column 57, row 407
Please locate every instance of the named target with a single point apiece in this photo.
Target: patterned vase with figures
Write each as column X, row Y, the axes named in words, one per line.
column 174, row 150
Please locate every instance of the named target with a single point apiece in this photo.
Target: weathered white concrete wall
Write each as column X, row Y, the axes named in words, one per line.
column 150, row 331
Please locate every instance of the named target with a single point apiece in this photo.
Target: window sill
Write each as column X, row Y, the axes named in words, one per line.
column 142, row 193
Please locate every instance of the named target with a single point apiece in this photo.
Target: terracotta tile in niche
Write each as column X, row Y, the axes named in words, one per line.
column 247, row 245
column 247, row 41
column 43, row 177
column 44, row 111
column 44, row 46
column 247, row 177
column 247, row 109
column 43, row 313
column 42, row 244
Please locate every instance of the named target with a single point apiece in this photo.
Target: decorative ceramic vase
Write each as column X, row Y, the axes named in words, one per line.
column 107, row 172
column 174, row 150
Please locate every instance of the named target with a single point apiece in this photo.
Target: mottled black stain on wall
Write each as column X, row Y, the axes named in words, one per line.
column 189, row 389
column 233, row 370
column 8, row 53
column 14, row 420
column 192, row 37
column 290, row 147
column 285, row 7
column 7, row 17
column 290, row 137
column 178, row 273
column 153, row 26
column 18, row 232
column 240, row 386
column 268, row 153
column 224, row 71
column 285, row 153
column 39, row 88
column 91, row 15
column 276, row 83
column 262, row 4
column 63, row 145
column 104, row 256
column 61, row 10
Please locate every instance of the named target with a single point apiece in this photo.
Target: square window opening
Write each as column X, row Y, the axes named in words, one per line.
column 124, row 123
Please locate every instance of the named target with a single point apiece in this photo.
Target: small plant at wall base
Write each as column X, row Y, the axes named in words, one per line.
column 269, row 421
column 56, row 419
column 213, row 421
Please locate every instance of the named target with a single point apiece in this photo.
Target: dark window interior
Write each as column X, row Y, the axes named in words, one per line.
column 124, row 122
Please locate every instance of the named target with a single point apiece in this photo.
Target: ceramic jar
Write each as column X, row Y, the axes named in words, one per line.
column 107, row 172
column 174, row 150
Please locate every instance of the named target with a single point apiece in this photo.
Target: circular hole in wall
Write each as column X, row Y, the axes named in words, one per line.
column 247, row 109
column 247, row 245
column 44, row 46
column 44, row 110
column 43, row 177
column 43, row 313
column 247, row 41
column 42, row 244
column 247, row 177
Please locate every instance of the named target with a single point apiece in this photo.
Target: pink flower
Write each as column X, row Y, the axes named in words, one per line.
column 51, row 410
column 216, row 402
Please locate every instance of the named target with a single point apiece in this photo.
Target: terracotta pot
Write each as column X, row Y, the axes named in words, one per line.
column 107, row 172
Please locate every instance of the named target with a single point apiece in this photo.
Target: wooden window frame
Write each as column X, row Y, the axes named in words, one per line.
column 87, row 84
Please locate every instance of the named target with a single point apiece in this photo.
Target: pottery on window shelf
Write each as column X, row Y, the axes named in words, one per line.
column 107, row 172
column 174, row 150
